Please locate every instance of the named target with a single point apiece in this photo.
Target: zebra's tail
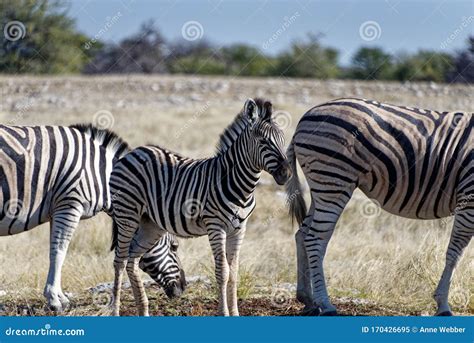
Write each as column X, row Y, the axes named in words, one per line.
column 114, row 235
column 295, row 199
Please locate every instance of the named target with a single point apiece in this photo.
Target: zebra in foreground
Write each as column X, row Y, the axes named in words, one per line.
column 161, row 191
column 416, row 163
column 56, row 174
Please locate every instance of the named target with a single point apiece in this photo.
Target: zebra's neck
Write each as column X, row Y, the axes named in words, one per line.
column 239, row 175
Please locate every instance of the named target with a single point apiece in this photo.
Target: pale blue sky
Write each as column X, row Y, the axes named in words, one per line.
column 405, row 26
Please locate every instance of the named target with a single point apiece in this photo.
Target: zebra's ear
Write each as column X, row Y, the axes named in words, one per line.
column 250, row 110
column 267, row 110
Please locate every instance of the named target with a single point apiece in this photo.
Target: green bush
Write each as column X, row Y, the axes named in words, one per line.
column 424, row 66
column 371, row 64
column 463, row 70
column 308, row 59
column 40, row 38
column 242, row 59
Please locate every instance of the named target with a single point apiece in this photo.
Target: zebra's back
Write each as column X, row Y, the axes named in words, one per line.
column 416, row 163
column 169, row 188
column 42, row 167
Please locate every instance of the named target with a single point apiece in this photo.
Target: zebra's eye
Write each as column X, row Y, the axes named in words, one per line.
column 174, row 246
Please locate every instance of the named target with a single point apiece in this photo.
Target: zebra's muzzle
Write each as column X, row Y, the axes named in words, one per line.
column 174, row 290
column 282, row 174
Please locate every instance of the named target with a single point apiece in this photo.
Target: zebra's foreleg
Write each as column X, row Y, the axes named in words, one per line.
column 233, row 244
column 144, row 239
column 460, row 238
column 62, row 225
column 126, row 231
column 217, row 239
column 304, row 292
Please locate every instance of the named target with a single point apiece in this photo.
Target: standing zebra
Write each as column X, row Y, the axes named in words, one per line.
column 416, row 163
column 163, row 191
column 56, row 174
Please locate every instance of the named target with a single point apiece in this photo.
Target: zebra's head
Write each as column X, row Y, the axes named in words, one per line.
column 266, row 140
column 163, row 265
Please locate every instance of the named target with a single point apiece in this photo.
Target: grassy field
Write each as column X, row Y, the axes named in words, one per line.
column 377, row 264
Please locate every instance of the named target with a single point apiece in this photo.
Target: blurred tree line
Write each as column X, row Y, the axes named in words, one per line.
column 39, row 37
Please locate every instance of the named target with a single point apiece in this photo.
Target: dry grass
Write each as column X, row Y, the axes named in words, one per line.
column 391, row 262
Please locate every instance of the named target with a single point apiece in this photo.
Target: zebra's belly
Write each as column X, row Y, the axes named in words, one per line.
column 430, row 206
column 190, row 230
column 12, row 223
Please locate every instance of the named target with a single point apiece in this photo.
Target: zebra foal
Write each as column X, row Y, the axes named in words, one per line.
column 161, row 191
column 416, row 163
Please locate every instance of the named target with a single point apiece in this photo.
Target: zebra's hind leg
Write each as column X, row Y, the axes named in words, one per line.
column 233, row 243
column 217, row 239
column 144, row 239
column 460, row 237
column 126, row 229
column 119, row 267
column 63, row 224
column 304, row 292
column 330, row 199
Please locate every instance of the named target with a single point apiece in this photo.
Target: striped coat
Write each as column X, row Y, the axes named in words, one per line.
column 413, row 162
column 60, row 175
column 161, row 191
column 56, row 174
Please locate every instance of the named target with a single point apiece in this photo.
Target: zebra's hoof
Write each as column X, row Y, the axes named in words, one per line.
column 65, row 302
column 57, row 308
column 445, row 314
column 310, row 311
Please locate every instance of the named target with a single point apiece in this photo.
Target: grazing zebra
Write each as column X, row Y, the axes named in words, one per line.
column 161, row 262
column 56, row 174
column 416, row 163
column 164, row 191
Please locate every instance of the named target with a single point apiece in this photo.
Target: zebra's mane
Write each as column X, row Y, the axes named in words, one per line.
column 108, row 139
column 233, row 131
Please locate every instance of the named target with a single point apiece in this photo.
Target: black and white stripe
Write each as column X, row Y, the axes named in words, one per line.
column 61, row 175
column 161, row 262
column 57, row 174
column 158, row 190
column 415, row 163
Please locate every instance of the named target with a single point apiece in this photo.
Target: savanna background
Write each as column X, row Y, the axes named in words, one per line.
column 176, row 73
